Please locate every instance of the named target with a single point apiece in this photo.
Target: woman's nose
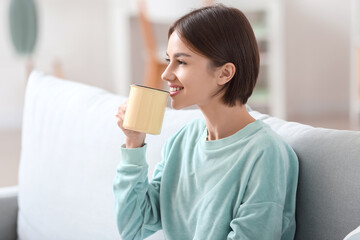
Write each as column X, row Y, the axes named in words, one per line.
column 167, row 75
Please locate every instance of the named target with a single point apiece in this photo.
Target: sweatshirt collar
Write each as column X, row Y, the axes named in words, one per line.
column 243, row 133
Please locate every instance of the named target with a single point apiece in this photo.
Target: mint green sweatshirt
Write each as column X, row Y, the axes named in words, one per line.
column 239, row 187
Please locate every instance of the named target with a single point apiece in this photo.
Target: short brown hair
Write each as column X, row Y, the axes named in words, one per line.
column 223, row 34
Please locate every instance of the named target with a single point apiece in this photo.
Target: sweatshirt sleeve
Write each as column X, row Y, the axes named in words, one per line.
column 263, row 213
column 137, row 207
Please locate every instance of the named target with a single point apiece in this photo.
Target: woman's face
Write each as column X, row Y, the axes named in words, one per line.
column 191, row 79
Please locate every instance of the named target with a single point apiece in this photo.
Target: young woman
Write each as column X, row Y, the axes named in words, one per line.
column 226, row 177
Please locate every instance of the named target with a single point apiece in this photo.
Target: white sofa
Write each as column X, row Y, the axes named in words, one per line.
column 71, row 147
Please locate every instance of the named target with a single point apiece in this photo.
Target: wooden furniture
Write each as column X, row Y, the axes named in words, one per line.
column 154, row 64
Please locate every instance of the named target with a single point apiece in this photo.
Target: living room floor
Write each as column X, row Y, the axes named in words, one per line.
column 10, row 146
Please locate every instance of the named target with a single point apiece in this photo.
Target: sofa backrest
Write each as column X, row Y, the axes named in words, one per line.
column 328, row 205
column 71, row 147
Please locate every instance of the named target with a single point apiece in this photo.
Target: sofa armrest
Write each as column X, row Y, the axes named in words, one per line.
column 8, row 213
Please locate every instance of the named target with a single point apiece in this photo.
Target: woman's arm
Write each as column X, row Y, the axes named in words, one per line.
column 136, row 201
column 268, row 207
column 257, row 221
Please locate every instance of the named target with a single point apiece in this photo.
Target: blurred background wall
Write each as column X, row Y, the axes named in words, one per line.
column 317, row 57
column 72, row 35
column 98, row 42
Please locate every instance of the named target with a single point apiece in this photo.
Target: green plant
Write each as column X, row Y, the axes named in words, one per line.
column 23, row 28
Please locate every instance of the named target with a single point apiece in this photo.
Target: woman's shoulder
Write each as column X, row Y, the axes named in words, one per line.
column 268, row 141
column 187, row 135
column 192, row 129
column 195, row 125
column 267, row 136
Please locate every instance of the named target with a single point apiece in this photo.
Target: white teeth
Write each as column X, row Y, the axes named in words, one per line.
column 173, row 89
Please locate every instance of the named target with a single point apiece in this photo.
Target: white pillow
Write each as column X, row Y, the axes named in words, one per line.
column 70, row 151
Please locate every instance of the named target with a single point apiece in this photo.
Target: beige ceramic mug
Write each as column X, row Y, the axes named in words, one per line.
column 145, row 109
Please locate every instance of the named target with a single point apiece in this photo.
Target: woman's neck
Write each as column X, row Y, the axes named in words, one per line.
column 223, row 121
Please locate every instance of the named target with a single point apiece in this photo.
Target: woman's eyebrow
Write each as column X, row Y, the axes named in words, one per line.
column 176, row 55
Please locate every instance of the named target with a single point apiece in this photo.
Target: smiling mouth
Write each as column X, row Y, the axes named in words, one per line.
column 175, row 90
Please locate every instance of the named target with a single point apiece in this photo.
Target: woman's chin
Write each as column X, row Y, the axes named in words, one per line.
column 176, row 106
column 179, row 107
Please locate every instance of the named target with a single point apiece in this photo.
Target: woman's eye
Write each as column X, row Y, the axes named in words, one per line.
column 180, row 62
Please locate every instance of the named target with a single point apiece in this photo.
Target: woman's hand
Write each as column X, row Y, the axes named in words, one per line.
column 133, row 139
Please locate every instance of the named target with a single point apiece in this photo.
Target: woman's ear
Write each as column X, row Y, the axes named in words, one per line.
column 226, row 73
